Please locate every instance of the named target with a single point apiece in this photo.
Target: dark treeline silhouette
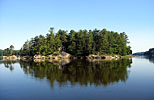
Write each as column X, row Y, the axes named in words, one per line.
column 79, row 72
column 150, row 52
column 80, row 43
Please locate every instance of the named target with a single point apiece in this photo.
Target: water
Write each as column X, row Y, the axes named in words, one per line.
column 127, row 79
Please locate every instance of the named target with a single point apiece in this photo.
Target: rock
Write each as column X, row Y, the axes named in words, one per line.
column 4, row 57
column 50, row 55
column 55, row 58
column 37, row 56
column 39, row 60
column 99, row 57
column 108, row 57
column 10, row 57
column 103, row 57
column 43, row 57
column 65, row 55
column 24, row 57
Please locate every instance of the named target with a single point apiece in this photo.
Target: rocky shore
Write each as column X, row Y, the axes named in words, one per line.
column 63, row 55
column 11, row 57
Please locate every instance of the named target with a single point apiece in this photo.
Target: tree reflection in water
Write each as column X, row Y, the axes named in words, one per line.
column 8, row 64
column 79, row 72
column 151, row 59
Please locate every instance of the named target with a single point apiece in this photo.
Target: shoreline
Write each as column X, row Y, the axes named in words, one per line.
column 39, row 58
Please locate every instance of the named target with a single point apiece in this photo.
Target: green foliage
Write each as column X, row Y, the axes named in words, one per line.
column 80, row 43
column 9, row 51
column 1, row 52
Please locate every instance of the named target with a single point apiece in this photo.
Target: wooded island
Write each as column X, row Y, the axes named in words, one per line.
column 77, row 43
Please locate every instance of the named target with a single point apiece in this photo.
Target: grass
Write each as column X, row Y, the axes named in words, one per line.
column 127, row 56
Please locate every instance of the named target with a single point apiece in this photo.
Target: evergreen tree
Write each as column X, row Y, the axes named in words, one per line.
column 79, row 43
column 11, row 49
column 72, row 42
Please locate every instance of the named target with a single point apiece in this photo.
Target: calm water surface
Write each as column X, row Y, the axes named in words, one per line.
column 127, row 79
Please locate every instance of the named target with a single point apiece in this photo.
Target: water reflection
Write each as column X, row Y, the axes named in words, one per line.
column 151, row 59
column 8, row 64
column 79, row 72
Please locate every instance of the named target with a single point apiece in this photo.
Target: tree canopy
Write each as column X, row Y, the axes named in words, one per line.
column 78, row 43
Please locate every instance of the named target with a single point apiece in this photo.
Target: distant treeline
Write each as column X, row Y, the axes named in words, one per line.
column 3, row 53
column 9, row 51
column 79, row 43
column 139, row 54
column 150, row 52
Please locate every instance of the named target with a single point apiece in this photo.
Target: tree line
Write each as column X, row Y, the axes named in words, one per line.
column 78, row 43
column 150, row 52
column 9, row 51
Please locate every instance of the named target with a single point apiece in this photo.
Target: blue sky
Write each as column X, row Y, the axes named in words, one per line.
column 21, row 20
